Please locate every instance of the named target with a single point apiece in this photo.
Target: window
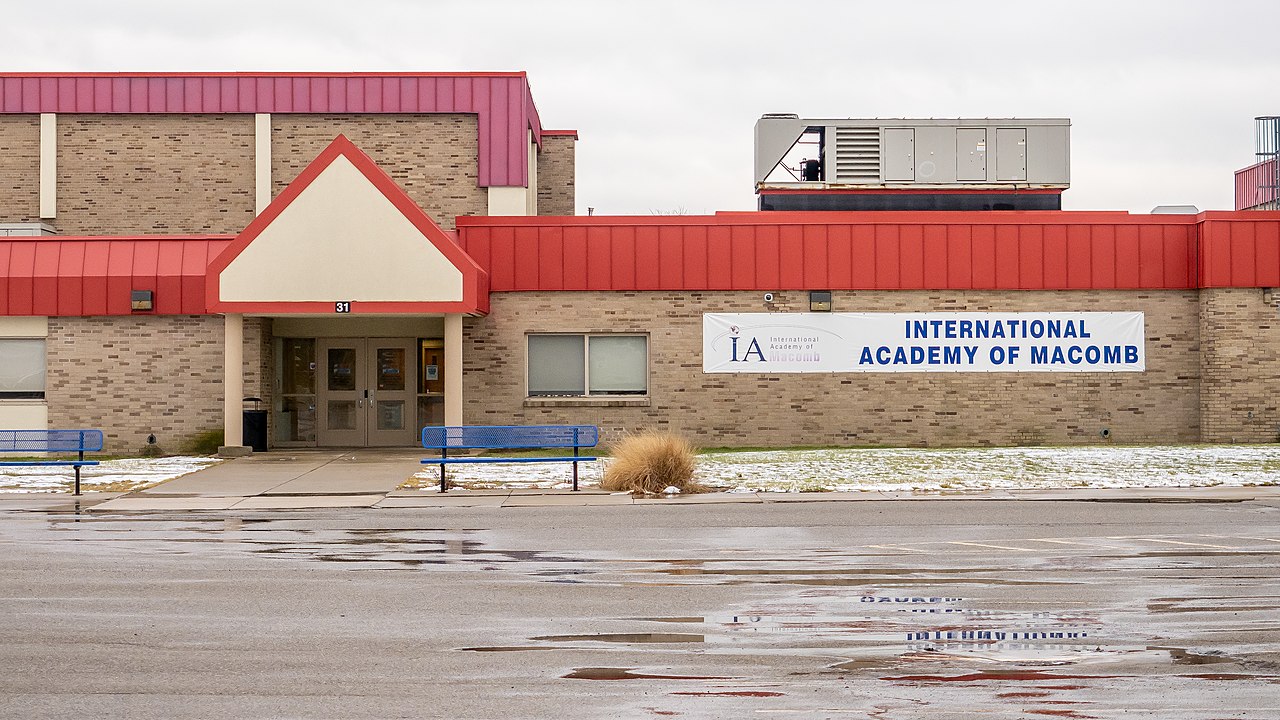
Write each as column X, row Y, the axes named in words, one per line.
column 21, row 368
column 579, row 365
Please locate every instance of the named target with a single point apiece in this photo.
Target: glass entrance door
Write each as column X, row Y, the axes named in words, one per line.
column 341, row 405
column 393, row 385
column 367, row 392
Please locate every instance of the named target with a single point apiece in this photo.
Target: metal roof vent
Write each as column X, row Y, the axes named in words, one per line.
column 857, row 154
column 1175, row 210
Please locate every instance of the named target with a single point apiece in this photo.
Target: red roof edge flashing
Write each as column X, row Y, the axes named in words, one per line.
column 870, row 217
column 260, row 74
column 910, row 191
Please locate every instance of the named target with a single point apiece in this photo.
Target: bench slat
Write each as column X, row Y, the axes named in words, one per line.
column 496, row 437
column 54, row 441
column 37, row 463
column 450, row 461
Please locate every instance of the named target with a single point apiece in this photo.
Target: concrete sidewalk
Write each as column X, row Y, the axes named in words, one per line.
column 364, row 478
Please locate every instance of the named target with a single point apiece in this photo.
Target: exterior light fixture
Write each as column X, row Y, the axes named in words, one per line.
column 140, row 300
column 819, row 301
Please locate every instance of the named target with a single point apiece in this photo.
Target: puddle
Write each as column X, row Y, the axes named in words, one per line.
column 860, row 665
column 1230, row 676
column 732, row 693
column 625, row 638
column 1181, row 656
column 1028, row 675
column 1194, row 605
column 630, row 674
column 510, row 648
column 1061, row 687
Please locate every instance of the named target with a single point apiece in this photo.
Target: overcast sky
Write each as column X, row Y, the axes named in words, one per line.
column 1161, row 95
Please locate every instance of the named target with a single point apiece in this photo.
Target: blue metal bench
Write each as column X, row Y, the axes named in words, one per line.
column 508, row 437
column 51, row 441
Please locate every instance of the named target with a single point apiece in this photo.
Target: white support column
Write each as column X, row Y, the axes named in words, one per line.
column 233, row 386
column 453, row 366
column 48, row 165
column 261, row 161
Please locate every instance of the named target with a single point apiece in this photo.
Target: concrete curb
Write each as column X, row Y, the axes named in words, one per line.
column 531, row 498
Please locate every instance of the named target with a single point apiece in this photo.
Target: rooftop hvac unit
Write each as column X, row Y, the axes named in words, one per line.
column 990, row 153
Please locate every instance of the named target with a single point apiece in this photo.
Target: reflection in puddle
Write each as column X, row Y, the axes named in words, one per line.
column 860, row 665
column 625, row 638
column 1181, row 656
column 630, row 674
column 509, row 648
column 1232, row 676
column 997, row 675
column 731, row 693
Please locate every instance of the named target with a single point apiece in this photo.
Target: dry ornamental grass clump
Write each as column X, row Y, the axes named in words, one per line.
column 650, row 462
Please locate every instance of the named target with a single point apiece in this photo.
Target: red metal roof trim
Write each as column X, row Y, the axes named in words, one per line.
column 1240, row 250
column 75, row 276
column 502, row 101
column 875, row 190
column 866, row 251
column 475, row 284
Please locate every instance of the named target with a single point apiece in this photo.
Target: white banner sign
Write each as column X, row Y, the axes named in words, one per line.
column 923, row 342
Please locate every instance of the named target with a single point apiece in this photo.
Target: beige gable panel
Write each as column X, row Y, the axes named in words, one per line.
column 341, row 239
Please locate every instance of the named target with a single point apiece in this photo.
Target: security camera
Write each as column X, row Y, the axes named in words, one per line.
column 768, row 297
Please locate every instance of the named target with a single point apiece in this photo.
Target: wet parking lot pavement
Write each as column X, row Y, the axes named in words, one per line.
column 947, row 608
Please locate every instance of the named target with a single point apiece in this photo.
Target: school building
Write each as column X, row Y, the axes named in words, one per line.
column 370, row 254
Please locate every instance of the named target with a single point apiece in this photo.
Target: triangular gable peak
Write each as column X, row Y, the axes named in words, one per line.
column 343, row 237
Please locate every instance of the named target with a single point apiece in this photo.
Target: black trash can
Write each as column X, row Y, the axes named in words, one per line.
column 255, row 426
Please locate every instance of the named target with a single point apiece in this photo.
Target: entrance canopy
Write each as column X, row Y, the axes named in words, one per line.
column 344, row 238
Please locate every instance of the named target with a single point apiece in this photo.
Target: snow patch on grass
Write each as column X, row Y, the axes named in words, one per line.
column 897, row 469
column 928, row 470
column 123, row 475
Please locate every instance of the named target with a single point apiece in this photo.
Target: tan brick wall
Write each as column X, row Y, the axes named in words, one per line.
column 1240, row 365
column 121, row 174
column 432, row 157
column 19, row 168
column 556, row 173
column 1157, row 406
column 131, row 376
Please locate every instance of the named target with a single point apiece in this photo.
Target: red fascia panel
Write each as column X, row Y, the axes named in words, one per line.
column 1240, row 250
column 502, row 102
column 846, row 251
column 85, row 276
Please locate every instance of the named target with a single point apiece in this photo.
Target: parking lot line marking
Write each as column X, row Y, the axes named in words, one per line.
column 1242, row 537
column 1069, row 542
column 895, row 547
column 1191, row 544
column 985, row 545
